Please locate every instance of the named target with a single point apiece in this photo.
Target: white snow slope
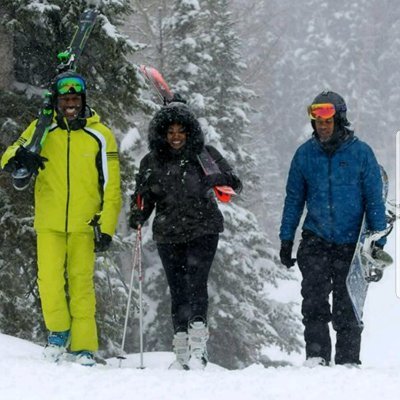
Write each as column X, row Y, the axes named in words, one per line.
column 24, row 375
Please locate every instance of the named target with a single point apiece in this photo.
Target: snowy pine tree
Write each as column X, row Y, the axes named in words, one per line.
column 19, row 300
column 252, row 272
column 262, row 53
column 186, row 54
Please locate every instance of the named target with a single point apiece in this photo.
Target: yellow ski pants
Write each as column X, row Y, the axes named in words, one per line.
column 66, row 286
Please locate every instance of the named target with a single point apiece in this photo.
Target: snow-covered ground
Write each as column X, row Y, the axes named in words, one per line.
column 381, row 336
column 25, row 375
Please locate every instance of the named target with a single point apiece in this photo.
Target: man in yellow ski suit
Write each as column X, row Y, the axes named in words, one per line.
column 79, row 177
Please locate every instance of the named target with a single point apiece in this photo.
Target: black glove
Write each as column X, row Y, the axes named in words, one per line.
column 286, row 253
column 212, row 180
column 103, row 243
column 31, row 161
column 136, row 218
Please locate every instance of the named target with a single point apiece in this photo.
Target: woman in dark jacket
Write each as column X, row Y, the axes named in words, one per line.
column 187, row 223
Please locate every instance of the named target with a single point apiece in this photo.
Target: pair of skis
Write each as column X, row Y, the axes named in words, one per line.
column 207, row 163
column 68, row 60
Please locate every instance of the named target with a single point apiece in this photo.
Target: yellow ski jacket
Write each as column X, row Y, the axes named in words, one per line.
column 81, row 177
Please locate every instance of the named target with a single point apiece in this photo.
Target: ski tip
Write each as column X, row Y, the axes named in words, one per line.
column 224, row 193
column 157, row 80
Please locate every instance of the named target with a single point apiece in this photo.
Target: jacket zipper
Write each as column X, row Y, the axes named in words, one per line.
column 68, row 176
column 330, row 196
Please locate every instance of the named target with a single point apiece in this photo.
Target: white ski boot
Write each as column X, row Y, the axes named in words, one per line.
column 180, row 345
column 313, row 362
column 57, row 343
column 85, row 358
column 198, row 336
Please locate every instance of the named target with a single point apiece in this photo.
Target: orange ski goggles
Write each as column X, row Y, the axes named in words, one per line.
column 321, row 111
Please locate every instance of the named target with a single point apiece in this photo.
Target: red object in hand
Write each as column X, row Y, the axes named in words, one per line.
column 224, row 193
column 140, row 202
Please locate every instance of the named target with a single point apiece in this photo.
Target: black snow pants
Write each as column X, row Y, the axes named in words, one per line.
column 324, row 267
column 187, row 266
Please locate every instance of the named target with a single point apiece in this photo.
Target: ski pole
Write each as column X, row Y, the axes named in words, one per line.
column 140, row 279
column 128, row 306
column 136, row 261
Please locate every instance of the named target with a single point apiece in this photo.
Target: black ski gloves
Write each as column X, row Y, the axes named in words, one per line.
column 31, row 161
column 218, row 179
column 223, row 179
column 286, row 253
column 136, row 218
column 103, row 244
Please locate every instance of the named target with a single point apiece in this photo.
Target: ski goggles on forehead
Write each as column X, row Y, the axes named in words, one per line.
column 321, row 111
column 71, row 85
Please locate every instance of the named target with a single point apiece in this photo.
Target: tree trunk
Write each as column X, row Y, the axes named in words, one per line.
column 6, row 57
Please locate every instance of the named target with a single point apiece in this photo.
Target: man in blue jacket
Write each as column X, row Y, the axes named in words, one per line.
column 337, row 177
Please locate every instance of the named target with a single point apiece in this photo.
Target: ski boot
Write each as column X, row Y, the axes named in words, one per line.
column 57, row 343
column 313, row 362
column 85, row 358
column 198, row 336
column 180, row 344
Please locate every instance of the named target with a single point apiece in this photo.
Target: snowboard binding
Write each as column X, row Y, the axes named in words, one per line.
column 374, row 258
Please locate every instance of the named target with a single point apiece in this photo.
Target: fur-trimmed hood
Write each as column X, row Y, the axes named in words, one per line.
column 175, row 113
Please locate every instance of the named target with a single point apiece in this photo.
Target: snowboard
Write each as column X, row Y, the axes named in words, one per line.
column 364, row 268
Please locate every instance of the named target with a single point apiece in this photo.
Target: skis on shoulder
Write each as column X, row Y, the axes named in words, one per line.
column 68, row 60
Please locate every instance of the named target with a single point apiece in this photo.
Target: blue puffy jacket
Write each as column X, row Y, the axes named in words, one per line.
column 337, row 189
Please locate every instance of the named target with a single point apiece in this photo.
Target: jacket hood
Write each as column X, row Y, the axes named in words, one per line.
column 175, row 113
